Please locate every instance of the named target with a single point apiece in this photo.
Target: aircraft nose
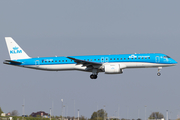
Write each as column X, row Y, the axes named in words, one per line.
column 174, row 62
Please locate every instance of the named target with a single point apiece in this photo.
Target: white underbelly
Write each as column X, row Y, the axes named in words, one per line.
column 58, row 67
column 145, row 65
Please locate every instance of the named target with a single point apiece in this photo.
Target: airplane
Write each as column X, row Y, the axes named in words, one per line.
column 109, row 64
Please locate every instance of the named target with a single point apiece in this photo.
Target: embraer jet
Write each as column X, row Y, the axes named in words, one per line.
column 109, row 64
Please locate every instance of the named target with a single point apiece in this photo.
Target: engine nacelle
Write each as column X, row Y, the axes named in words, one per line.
column 113, row 69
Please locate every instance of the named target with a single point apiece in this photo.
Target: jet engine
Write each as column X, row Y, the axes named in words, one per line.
column 113, row 69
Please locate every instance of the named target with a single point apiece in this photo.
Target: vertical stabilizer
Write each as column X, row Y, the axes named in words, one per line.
column 14, row 50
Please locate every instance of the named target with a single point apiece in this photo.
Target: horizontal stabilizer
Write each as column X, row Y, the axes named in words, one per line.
column 12, row 61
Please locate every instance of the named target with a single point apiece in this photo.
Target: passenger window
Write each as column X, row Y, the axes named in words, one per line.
column 121, row 58
column 128, row 58
column 91, row 59
column 114, row 58
column 45, row 61
column 52, row 61
column 145, row 57
column 42, row 61
column 66, row 60
column 94, row 59
column 139, row 58
column 87, row 59
column 124, row 58
column 149, row 57
column 98, row 59
column 56, row 61
column 135, row 58
column 49, row 61
column 117, row 58
column 132, row 58
column 111, row 59
column 142, row 57
column 62, row 60
column 59, row 61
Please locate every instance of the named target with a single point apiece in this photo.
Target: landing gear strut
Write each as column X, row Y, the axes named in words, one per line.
column 159, row 69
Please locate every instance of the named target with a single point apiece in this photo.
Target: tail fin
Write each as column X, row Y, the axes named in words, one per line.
column 15, row 51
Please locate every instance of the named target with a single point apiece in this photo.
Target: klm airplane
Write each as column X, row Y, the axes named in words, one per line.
column 109, row 64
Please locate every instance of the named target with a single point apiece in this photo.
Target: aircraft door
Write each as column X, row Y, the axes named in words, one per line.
column 102, row 59
column 157, row 59
column 37, row 63
column 106, row 59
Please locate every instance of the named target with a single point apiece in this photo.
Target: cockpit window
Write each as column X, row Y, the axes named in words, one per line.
column 166, row 57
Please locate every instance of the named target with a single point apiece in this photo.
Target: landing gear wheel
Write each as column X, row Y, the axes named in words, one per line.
column 93, row 76
column 158, row 73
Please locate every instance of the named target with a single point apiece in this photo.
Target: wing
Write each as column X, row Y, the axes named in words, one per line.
column 85, row 63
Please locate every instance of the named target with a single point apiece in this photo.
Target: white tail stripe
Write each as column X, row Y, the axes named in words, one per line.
column 14, row 50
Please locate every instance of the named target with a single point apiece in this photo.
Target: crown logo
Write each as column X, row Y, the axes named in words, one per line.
column 132, row 56
column 15, row 48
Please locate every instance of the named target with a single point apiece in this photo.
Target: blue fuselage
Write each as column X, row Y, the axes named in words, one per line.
column 155, row 58
column 110, row 64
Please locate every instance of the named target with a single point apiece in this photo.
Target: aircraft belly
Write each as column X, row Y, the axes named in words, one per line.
column 58, row 67
column 145, row 65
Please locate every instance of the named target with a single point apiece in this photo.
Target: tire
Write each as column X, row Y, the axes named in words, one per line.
column 158, row 74
column 92, row 76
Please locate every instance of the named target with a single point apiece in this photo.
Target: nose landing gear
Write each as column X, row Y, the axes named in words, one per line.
column 158, row 73
column 159, row 69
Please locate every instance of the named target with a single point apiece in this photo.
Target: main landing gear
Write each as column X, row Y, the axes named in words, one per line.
column 94, row 74
column 159, row 69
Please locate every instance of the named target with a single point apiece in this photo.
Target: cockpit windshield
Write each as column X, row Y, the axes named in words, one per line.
column 166, row 57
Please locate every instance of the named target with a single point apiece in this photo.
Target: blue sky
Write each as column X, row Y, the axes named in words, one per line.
column 64, row 28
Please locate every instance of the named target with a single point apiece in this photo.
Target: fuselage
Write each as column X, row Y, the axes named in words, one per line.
column 109, row 64
column 59, row 63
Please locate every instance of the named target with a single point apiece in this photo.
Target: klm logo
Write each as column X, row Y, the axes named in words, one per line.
column 15, row 50
column 132, row 56
column 112, row 68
